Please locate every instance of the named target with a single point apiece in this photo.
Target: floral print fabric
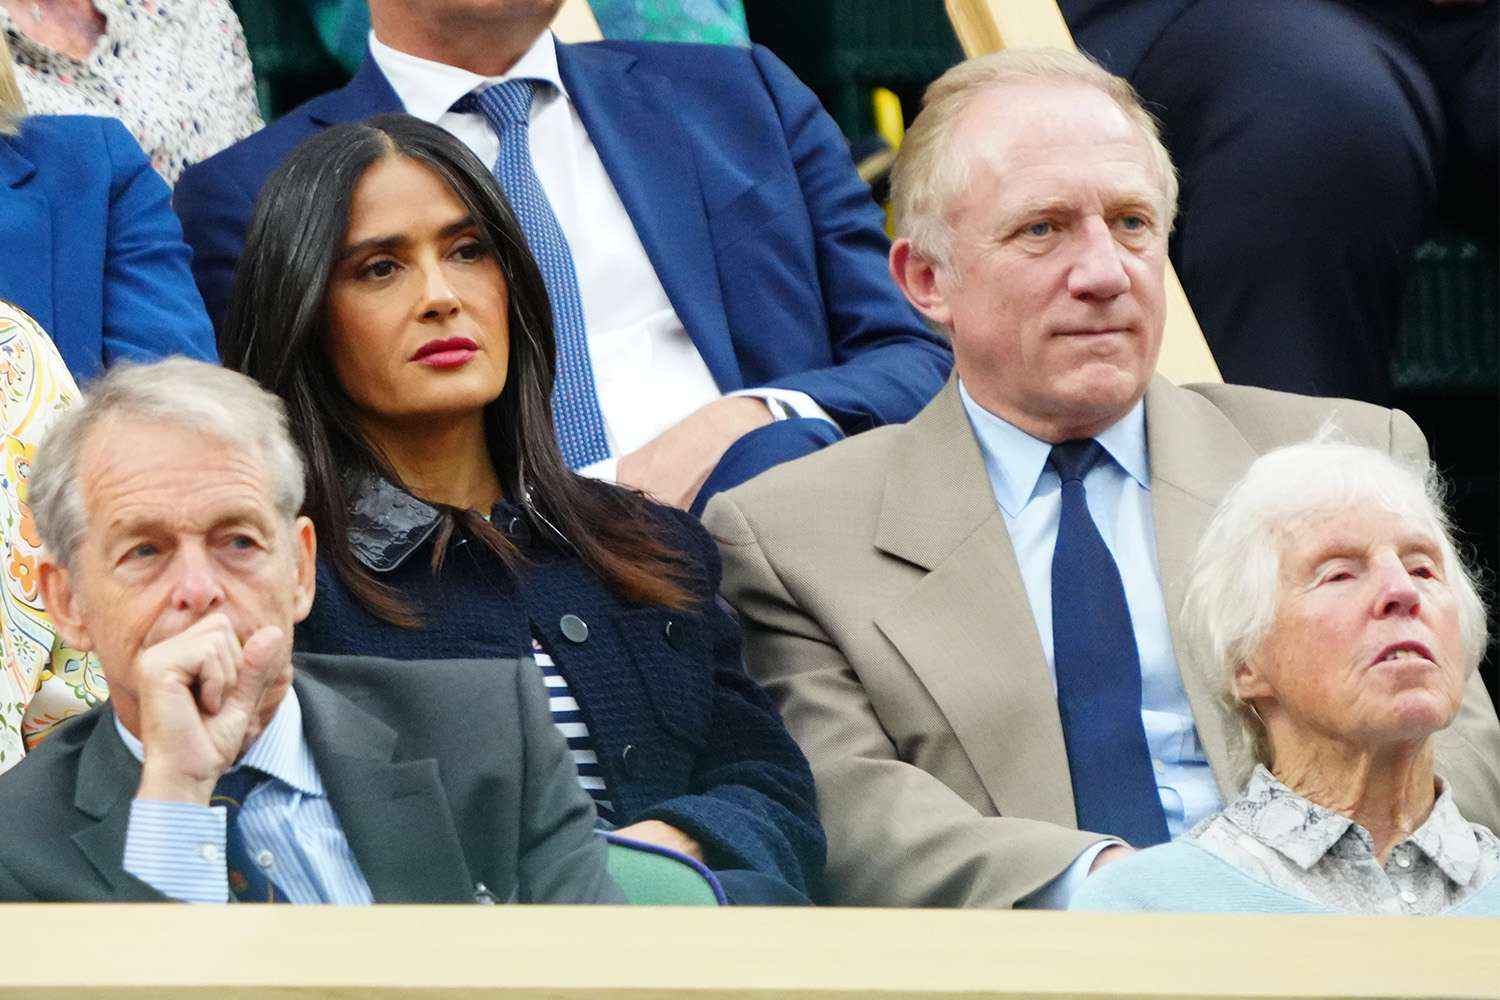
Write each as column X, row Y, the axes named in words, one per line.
column 174, row 71
column 42, row 682
column 1275, row 835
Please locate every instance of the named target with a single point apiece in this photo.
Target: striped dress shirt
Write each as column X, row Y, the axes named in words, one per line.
column 569, row 721
column 288, row 824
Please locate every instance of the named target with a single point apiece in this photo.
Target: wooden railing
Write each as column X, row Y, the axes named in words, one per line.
column 456, row 953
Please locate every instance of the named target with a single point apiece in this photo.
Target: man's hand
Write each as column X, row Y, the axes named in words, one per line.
column 654, row 831
column 201, row 704
column 673, row 466
column 1109, row 855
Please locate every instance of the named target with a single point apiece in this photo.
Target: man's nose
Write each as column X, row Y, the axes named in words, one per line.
column 1098, row 272
column 1396, row 592
column 439, row 300
column 197, row 589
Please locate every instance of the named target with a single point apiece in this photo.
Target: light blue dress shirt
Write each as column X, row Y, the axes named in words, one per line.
column 287, row 821
column 1119, row 496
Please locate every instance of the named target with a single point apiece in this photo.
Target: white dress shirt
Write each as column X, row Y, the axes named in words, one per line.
column 1029, row 495
column 647, row 372
column 287, row 823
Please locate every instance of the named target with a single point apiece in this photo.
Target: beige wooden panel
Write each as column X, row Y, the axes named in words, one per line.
column 575, row 22
column 455, row 953
column 990, row 25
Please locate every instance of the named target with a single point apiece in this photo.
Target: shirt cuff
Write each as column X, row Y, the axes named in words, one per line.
column 177, row 848
column 1055, row 895
column 606, row 470
column 800, row 402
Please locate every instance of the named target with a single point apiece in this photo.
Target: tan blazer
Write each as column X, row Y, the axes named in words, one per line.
column 883, row 608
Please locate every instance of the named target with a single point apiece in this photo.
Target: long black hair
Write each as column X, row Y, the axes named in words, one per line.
column 274, row 333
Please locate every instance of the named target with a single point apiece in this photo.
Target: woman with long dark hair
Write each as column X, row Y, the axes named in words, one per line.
column 387, row 295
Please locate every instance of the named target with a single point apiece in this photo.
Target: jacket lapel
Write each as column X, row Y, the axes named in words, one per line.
column 369, row 93
column 966, row 630
column 1196, row 456
column 394, row 813
column 626, row 111
column 25, row 239
column 107, row 779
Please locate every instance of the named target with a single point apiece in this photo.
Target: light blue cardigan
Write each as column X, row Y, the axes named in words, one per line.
column 1183, row 877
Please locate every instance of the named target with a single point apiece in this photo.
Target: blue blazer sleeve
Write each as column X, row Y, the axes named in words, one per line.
column 151, row 307
column 887, row 364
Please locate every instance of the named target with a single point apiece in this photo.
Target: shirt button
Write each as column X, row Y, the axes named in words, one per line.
column 1408, row 897
column 1158, row 767
column 1404, row 861
column 264, row 858
column 208, row 852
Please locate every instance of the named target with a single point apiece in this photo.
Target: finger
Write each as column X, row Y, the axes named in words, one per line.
column 263, row 650
column 219, row 668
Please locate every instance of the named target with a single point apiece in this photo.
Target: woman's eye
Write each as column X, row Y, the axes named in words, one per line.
column 378, row 269
column 469, row 251
column 1424, row 572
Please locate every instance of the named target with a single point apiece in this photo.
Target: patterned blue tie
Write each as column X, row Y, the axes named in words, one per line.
column 1098, row 670
column 575, row 406
column 247, row 882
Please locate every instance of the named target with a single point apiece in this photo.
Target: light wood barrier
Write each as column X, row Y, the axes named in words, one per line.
column 986, row 26
column 455, row 953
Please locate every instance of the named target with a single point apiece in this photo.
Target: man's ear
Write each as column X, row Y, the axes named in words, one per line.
column 305, row 546
column 917, row 277
column 63, row 604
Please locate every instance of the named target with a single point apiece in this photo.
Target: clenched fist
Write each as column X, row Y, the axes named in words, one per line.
column 204, row 698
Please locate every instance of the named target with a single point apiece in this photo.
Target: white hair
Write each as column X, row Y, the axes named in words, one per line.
column 1232, row 590
column 178, row 391
column 930, row 170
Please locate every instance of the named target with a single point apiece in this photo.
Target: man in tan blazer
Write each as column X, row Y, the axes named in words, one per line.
column 894, row 589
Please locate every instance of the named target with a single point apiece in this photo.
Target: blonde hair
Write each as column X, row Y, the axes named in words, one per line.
column 12, row 108
column 929, row 171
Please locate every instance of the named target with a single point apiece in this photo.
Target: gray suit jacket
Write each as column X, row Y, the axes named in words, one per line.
column 883, row 608
column 444, row 774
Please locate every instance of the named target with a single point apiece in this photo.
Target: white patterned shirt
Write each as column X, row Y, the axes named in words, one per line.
column 176, row 72
column 1290, row 843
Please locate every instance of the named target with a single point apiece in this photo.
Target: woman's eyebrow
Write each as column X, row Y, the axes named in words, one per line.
column 397, row 240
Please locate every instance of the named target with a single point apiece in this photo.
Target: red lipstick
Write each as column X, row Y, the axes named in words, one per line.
column 450, row 352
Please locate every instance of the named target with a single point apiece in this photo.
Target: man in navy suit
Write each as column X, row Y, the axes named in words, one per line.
column 730, row 263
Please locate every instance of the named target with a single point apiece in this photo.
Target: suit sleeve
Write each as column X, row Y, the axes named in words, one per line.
column 751, row 802
column 897, row 835
column 1468, row 752
column 151, row 309
column 562, row 859
column 215, row 213
column 887, row 363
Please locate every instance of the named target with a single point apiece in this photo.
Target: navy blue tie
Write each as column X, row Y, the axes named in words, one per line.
column 247, row 882
column 575, row 402
column 1098, row 670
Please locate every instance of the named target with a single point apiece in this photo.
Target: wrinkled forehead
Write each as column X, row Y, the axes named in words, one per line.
column 1354, row 530
column 127, row 458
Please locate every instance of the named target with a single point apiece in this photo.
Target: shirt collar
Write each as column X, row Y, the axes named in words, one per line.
column 1304, row 832
column 1015, row 460
column 280, row 750
column 428, row 89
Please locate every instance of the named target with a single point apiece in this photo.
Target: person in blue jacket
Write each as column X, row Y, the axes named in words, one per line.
column 89, row 246
column 388, row 296
column 729, row 263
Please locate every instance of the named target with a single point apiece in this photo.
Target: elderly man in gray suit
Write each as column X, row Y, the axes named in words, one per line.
column 168, row 508
column 970, row 622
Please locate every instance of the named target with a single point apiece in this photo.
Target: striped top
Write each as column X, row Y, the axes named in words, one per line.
column 288, row 824
column 569, row 721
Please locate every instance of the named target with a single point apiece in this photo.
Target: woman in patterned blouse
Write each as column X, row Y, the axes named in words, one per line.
column 174, row 71
column 387, row 294
column 1329, row 589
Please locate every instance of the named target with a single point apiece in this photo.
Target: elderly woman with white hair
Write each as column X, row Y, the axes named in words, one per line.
column 1329, row 591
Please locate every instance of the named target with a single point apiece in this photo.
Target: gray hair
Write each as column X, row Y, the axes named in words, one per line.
column 178, row 391
column 930, row 172
column 12, row 108
column 1232, row 591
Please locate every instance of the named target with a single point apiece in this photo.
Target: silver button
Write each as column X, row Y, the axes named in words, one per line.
column 1158, row 767
column 264, row 858
column 208, row 852
column 1408, row 897
column 1404, row 861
